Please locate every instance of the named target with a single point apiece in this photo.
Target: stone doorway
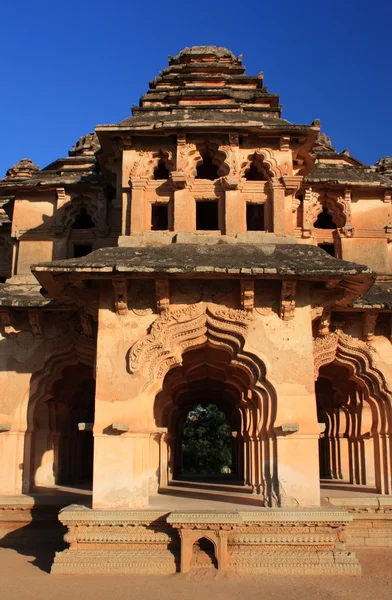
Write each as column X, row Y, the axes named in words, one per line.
column 60, row 435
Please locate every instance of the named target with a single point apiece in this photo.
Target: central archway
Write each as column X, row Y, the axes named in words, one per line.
column 207, row 376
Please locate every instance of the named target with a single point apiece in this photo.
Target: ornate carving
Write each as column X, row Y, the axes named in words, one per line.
column 357, row 355
column 120, row 285
column 174, row 332
column 338, row 206
column 287, row 299
column 264, row 157
column 147, row 159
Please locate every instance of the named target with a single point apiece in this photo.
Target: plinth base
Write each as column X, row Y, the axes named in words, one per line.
column 265, row 541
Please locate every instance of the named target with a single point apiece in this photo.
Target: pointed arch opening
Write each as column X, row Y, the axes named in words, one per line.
column 207, row 169
column 60, row 430
column 354, row 412
column 324, row 220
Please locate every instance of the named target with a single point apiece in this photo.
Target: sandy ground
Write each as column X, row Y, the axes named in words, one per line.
column 25, row 576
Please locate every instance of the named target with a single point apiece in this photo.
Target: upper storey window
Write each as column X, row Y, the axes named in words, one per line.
column 255, row 173
column 324, row 220
column 83, row 220
column 207, row 170
column 255, row 217
column 207, row 215
column 161, row 171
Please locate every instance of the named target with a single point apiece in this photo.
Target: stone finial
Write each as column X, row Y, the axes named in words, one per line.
column 85, row 146
column 384, row 166
column 24, row 169
column 323, row 140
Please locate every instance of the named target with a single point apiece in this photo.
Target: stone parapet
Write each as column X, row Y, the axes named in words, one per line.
column 264, row 541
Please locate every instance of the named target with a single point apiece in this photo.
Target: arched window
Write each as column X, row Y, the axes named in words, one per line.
column 161, row 171
column 83, row 220
column 255, row 174
column 207, row 170
column 324, row 220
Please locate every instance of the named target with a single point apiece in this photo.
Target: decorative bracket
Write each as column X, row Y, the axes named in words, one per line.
column 162, row 295
column 287, row 299
column 178, row 180
column 35, row 319
column 120, row 286
column 247, row 294
column 369, row 325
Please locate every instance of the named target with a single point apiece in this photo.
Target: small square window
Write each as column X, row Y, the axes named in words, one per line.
column 207, row 215
column 159, row 217
column 255, row 217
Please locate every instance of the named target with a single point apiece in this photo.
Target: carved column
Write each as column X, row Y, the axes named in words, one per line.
column 137, row 211
column 279, row 206
column 230, row 183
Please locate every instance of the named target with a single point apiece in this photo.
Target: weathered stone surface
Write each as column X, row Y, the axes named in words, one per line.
column 308, row 542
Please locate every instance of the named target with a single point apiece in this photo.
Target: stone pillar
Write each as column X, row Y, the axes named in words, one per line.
column 121, row 470
column 298, row 469
column 163, row 460
column 233, row 213
column 182, row 211
column 137, row 212
column 279, row 206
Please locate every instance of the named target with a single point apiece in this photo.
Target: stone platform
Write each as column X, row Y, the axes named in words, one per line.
column 264, row 541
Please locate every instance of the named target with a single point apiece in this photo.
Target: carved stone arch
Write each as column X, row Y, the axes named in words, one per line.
column 212, row 147
column 175, row 332
column 73, row 208
column 147, row 159
column 264, row 159
column 335, row 205
column 359, row 358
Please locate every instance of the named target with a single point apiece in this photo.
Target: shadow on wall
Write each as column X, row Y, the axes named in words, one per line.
column 40, row 539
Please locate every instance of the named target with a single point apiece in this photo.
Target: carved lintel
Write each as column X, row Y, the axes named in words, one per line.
column 247, row 294
column 162, row 294
column 120, row 286
column 139, row 183
column 325, row 322
column 369, row 325
column 6, row 324
column 35, row 319
column 178, row 180
column 287, row 299
column 292, row 183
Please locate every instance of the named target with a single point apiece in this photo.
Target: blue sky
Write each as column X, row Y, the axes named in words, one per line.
column 66, row 67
